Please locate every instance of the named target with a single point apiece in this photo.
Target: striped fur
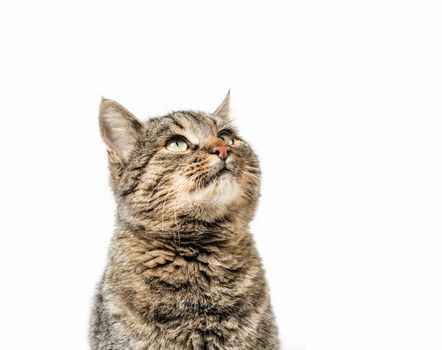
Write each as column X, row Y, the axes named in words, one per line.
column 183, row 271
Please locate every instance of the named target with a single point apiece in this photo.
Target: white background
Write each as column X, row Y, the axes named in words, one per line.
column 340, row 99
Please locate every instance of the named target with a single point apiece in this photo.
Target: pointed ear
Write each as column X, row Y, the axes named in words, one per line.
column 119, row 129
column 223, row 110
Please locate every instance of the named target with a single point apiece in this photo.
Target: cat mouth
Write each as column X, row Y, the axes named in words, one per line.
column 223, row 171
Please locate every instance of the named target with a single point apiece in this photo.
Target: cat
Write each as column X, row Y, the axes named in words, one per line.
column 183, row 271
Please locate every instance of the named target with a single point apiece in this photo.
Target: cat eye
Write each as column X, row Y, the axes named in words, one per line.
column 176, row 144
column 226, row 137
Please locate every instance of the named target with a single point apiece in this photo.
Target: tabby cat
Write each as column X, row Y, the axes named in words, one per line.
column 183, row 271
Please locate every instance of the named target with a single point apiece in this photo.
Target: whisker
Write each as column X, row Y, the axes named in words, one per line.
column 247, row 173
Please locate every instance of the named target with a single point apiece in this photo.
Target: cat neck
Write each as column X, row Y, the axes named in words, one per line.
column 187, row 233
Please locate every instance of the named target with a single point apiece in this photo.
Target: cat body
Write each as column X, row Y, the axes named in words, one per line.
column 183, row 271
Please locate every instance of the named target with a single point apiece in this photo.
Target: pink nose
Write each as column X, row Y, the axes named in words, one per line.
column 221, row 150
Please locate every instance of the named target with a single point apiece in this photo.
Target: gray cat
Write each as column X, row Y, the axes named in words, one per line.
column 183, row 270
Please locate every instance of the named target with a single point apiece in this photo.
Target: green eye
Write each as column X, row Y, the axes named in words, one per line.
column 176, row 145
column 226, row 137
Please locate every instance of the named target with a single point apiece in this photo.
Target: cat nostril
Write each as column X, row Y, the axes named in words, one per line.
column 221, row 151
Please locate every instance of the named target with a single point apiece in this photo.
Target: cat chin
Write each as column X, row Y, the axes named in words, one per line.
column 222, row 191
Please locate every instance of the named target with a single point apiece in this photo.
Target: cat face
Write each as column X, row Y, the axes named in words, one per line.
column 185, row 164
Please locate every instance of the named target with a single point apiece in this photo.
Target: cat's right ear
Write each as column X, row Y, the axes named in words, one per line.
column 119, row 129
column 223, row 110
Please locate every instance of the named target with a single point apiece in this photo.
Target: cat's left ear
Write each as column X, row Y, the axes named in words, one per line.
column 223, row 110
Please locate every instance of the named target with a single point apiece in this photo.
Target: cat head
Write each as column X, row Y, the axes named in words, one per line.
column 186, row 164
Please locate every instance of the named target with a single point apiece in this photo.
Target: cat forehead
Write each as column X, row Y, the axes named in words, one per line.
column 194, row 125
